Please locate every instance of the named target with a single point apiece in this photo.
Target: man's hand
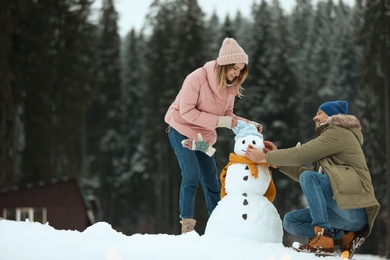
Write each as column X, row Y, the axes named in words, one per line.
column 269, row 146
column 255, row 155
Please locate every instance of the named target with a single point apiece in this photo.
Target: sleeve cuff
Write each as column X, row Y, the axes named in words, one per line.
column 210, row 151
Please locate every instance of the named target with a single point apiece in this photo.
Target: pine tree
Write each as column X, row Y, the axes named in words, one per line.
column 343, row 75
column 50, row 66
column 322, row 55
column 214, row 35
column 228, row 30
column 10, row 96
column 259, row 82
column 283, row 91
column 133, row 185
column 374, row 111
column 36, row 75
column 74, row 77
column 161, row 86
column 105, row 143
column 316, row 64
column 242, row 26
column 301, row 32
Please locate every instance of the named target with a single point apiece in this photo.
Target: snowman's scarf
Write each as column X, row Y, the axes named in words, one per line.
column 233, row 158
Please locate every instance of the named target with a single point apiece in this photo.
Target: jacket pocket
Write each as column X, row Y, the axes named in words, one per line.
column 346, row 180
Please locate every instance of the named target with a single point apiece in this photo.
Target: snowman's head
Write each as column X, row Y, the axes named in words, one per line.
column 247, row 134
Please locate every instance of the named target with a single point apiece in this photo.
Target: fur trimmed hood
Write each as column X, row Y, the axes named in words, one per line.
column 346, row 121
column 349, row 122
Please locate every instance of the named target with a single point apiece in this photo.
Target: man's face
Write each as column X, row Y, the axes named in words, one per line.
column 320, row 118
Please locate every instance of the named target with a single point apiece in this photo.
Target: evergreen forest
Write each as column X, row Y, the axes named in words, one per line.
column 77, row 100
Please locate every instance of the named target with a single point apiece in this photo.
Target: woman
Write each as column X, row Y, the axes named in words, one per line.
column 205, row 102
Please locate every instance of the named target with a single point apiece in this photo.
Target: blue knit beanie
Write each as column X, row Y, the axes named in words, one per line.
column 332, row 108
column 243, row 129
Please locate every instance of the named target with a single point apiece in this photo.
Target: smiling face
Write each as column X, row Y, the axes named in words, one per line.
column 320, row 118
column 241, row 144
column 234, row 71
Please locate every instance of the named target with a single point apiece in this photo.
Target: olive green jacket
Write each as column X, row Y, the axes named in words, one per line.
column 337, row 149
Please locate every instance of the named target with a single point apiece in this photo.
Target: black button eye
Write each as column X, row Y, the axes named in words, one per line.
column 253, row 142
column 243, row 141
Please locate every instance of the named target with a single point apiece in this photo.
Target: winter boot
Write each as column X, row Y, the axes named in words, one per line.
column 187, row 225
column 349, row 243
column 321, row 245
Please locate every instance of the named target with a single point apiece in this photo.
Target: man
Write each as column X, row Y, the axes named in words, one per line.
column 338, row 186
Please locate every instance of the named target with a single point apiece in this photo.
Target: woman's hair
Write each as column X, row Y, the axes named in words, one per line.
column 221, row 76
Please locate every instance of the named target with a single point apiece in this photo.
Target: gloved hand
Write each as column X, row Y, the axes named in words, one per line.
column 225, row 121
column 199, row 145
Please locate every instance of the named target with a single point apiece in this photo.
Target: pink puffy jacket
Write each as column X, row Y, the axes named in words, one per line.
column 199, row 104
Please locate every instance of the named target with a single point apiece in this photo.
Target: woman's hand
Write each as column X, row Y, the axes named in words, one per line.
column 199, row 145
column 234, row 121
column 258, row 126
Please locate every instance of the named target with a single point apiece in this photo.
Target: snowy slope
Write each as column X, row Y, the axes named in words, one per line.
column 35, row 241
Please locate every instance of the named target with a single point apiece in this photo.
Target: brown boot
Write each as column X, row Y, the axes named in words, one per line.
column 187, row 225
column 321, row 244
column 349, row 243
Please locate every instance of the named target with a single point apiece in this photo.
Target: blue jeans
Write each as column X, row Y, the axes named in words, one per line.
column 323, row 210
column 195, row 166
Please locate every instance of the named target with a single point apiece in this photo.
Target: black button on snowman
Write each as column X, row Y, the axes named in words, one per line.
column 244, row 212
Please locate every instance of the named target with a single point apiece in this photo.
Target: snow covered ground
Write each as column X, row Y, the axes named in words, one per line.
column 35, row 241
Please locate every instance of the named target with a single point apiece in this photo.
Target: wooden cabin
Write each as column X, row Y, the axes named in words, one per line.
column 59, row 202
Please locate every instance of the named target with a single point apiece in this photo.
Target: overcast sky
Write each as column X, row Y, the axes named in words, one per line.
column 132, row 12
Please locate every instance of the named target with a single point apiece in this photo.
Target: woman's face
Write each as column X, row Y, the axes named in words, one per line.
column 234, row 71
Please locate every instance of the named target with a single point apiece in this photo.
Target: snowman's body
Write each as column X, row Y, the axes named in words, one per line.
column 245, row 212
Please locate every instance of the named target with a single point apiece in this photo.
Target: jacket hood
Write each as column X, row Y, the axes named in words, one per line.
column 210, row 73
column 346, row 121
column 349, row 122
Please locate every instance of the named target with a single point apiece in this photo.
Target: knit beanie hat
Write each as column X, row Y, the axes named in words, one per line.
column 231, row 53
column 332, row 108
column 244, row 129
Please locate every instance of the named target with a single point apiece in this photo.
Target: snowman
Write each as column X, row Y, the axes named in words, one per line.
column 245, row 209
